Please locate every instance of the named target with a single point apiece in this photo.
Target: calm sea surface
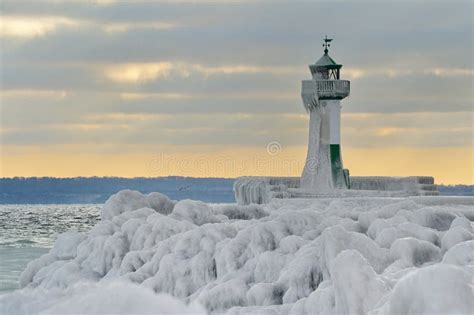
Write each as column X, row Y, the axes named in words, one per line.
column 29, row 231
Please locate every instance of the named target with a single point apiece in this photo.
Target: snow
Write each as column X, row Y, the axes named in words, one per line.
column 359, row 255
column 129, row 200
column 357, row 286
column 461, row 254
column 438, row 289
column 115, row 297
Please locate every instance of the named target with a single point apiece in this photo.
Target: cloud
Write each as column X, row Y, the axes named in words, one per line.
column 33, row 26
column 358, row 73
column 358, row 130
column 245, row 69
column 142, row 72
column 157, row 96
column 128, row 26
column 104, row 2
column 9, row 95
column 451, row 72
column 423, row 129
column 138, row 72
column 29, row 27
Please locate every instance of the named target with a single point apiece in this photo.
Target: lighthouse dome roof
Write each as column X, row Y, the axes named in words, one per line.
column 326, row 62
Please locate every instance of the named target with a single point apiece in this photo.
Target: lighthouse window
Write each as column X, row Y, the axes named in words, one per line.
column 324, row 75
column 334, row 74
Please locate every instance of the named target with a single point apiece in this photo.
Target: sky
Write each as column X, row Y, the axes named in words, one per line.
column 212, row 88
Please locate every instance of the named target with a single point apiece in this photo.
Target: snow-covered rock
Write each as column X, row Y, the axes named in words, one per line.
column 358, row 288
column 300, row 256
column 127, row 200
column 439, row 289
column 461, row 254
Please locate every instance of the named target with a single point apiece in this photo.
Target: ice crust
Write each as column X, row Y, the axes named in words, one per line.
column 317, row 170
column 106, row 297
column 297, row 256
column 260, row 190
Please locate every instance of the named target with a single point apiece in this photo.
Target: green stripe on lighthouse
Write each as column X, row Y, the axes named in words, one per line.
column 336, row 166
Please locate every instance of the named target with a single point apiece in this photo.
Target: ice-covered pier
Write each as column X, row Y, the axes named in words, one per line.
column 261, row 190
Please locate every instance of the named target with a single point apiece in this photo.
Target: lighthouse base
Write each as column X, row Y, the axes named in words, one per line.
column 261, row 190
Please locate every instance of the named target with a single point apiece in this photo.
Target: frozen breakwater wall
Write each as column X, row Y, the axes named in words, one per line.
column 260, row 190
column 415, row 184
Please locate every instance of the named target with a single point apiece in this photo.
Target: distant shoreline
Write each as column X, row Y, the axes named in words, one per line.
column 74, row 190
column 50, row 190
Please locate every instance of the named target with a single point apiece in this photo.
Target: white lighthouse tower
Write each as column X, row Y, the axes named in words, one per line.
column 321, row 97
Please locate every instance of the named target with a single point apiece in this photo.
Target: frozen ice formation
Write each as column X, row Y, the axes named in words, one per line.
column 252, row 189
column 259, row 190
column 106, row 297
column 290, row 256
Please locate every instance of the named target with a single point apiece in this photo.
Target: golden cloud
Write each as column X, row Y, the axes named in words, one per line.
column 125, row 27
column 138, row 72
column 33, row 26
column 28, row 27
column 31, row 93
column 142, row 72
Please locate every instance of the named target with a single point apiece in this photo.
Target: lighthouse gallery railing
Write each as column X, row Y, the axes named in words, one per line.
column 314, row 90
column 333, row 88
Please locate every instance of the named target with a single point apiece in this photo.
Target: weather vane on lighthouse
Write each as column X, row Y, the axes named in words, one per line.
column 327, row 44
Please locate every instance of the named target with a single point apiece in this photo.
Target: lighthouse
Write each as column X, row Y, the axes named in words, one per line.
column 323, row 174
column 321, row 96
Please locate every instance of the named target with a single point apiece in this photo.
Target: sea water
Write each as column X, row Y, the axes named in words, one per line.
column 29, row 231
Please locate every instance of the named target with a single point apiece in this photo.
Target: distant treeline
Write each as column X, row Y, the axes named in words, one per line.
column 47, row 190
